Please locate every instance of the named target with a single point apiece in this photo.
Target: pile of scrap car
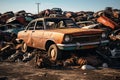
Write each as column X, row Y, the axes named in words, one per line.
column 54, row 37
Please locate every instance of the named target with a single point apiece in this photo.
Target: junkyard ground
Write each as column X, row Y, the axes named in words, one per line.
column 26, row 71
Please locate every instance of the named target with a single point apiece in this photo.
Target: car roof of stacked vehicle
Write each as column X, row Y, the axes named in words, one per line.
column 51, row 18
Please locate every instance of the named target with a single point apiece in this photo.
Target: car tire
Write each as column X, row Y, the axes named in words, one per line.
column 24, row 47
column 54, row 53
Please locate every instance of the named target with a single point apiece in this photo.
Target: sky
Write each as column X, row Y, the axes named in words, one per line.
column 66, row 5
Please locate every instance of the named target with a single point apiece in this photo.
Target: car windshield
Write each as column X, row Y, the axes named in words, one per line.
column 60, row 23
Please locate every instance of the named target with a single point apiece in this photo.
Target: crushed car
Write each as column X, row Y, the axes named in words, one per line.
column 5, row 16
column 113, row 29
column 85, row 23
column 57, row 10
column 12, row 28
column 7, row 46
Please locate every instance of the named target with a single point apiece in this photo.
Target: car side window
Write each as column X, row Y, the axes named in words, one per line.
column 39, row 25
column 31, row 26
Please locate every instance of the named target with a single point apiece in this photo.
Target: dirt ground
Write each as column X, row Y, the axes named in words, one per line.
column 26, row 71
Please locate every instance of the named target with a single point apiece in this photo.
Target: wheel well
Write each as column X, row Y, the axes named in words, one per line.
column 48, row 44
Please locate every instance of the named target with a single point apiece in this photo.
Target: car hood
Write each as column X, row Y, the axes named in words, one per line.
column 77, row 31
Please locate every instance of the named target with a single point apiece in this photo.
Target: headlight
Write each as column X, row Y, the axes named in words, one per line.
column 103, row 35
column 67, row 38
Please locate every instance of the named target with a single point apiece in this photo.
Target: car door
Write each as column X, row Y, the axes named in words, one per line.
column 37, row 35
column 28, row 33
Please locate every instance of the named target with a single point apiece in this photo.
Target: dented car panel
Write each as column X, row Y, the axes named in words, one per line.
column 38, row 38
column 44, row 37
column 65, row 38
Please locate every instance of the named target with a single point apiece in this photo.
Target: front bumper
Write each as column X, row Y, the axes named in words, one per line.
column 78, row 45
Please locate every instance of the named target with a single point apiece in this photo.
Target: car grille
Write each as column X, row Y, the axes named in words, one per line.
column 86, row 38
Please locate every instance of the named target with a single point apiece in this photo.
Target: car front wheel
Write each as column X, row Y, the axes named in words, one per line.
column 54, row 53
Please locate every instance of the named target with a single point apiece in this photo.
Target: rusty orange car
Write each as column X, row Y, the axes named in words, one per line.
column 59, row 34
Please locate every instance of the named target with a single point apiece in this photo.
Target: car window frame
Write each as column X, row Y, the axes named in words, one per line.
column 27, row 28
column 42, row 25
